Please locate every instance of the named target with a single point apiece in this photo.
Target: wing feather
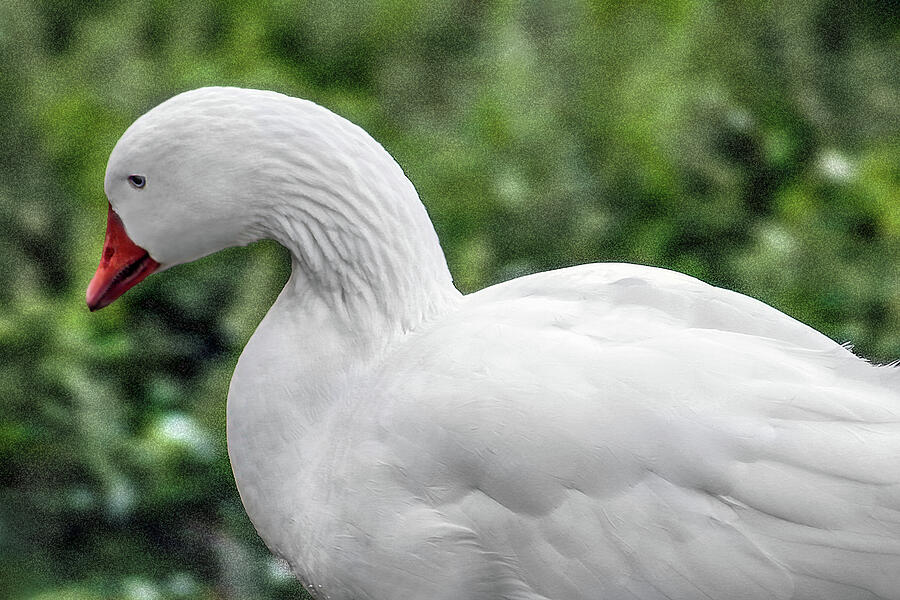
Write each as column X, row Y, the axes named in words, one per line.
column 628, row 432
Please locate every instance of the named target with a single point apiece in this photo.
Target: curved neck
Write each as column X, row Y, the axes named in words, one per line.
column 363, row 247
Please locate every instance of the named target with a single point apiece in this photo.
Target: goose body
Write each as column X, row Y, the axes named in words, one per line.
column 606, row 431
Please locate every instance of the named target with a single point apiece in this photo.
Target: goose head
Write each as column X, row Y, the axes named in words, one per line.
column 219, row 167
column 179, row 182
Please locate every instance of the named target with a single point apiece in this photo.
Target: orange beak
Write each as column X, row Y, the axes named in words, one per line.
column 123, row 265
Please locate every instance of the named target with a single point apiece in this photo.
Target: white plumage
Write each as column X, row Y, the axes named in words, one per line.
column 608, row 431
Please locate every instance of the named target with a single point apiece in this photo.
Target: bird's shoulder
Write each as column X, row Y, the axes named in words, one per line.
column 593, row 325
column 645, row 300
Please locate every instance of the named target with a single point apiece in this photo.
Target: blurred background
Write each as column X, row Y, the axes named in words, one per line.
column 755, row 145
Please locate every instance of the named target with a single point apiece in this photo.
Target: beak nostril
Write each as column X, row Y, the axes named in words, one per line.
column 123, row 264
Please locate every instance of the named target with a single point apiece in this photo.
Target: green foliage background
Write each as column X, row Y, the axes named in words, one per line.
column 751, row 144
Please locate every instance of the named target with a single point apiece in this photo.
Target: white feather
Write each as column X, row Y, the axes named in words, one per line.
column 608, row 431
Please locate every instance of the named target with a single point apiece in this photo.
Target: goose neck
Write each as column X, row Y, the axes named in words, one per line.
column 368, row 256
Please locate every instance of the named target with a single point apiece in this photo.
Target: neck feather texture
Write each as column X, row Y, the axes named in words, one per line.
column 361, row 240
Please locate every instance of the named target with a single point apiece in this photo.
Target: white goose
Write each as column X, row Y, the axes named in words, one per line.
column 607, row 431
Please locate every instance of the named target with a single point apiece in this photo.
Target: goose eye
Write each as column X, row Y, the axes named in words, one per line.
column 137, row 181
